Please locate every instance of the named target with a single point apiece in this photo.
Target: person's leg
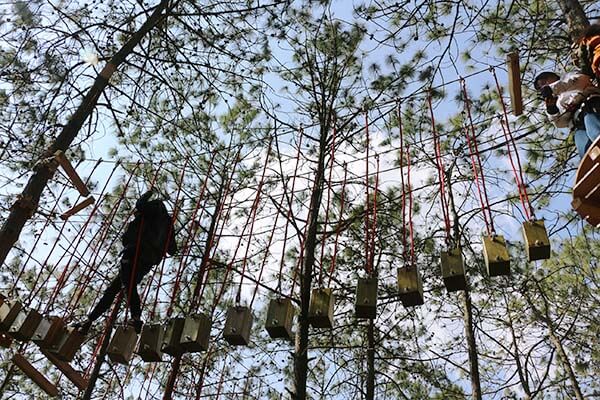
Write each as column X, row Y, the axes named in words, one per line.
column 581, row 141
column 129, row 284
column 102, row 306
column 592, row 127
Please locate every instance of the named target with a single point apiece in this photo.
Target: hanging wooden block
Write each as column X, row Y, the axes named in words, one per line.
column 495, row 254
column 9, row 310
column 64, row 367
column 410, row 286
column 77, row 207
column 64, row 162
column 122, row 344
column 196, row 333
column 280, row 316
column 172, row 341
column 366, row 298
column 453, row 270
column 514, row 82
column 238, row 326
column 36, row 376
column 48, row 332
column 5, row 340
column 320, row 310
column 25, row 325
column 68, row 343
column 537, row 243
column 151, row 342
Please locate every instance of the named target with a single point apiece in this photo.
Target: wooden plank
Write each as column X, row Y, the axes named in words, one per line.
column 77, row 207
column 514, row 82
column 589, row 211
column 71, row 173
column 64, row 367
column 35, row 375
column 588, row 182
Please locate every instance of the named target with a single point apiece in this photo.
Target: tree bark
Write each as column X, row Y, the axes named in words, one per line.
column 301, row 351
column 27, row 202
column 575, row 16
column 471, row 346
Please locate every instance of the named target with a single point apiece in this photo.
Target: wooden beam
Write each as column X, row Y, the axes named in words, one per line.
column 77, row 207
column 64, row 162
column 64, row 367
column 35, row 375
column 514, row 82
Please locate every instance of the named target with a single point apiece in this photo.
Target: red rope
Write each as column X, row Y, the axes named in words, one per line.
column 339, row 225
column 440, row 170
column 289, row 213
column 329, row 189
column 410, row 209
column 477, row 165
column 403, row 201
column 374, row 232
column 253, row 211
column 517, row 170
column 367, row 233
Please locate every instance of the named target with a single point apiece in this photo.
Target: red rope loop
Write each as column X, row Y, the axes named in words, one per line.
column 338, row 229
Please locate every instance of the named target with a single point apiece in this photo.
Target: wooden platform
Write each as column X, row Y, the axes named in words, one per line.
column 586, row 191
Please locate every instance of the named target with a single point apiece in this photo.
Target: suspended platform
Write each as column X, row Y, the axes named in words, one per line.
column 586, row 192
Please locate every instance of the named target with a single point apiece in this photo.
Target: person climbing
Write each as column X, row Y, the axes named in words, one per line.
column 572, row 101
column 146, row 240
column 586, row 51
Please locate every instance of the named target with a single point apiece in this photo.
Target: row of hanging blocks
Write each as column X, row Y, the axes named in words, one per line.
column 49, row 333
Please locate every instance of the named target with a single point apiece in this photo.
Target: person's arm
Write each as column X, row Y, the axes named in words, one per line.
column 570, row 81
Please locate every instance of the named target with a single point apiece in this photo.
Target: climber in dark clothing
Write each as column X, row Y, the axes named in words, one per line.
column 152, row 229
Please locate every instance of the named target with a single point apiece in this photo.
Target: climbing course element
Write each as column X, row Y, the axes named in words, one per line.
column 64, row 162
column 122, row 344
column 196, row 333
column 172, row 341
column 9, row 310
column 586, row 191
column 537, row 244
column 77, row 207
column 514, row 82
column 25, row 325
column 366, row 298
column 48, row 332
column 151, row 342
column 496, row 256
column 68, row 343
column 453, row 270
column 36, row 376
column 320, row 310
column 238, row 326
column 280, row 315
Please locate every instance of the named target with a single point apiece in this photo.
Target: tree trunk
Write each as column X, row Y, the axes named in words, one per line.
column 27, row 202
column 472, row 346
column 575, row 16
column 371, row 360
column 301, row 351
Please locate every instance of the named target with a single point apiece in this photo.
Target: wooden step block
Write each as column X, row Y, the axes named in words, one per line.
column 64, row 367
column 64, row 162
column 172, row 341
column 453, row 270
column 537, row 243
column 195, row 335
column 495, row 254
column 151, row 342
column 365, row 305
column 9, row 310
column 48, row 332
column 589, row 211
column 410, row 286
column 238, row 326
column 320, row 311
column 35, row 375
column 68, row 344
column 25, row 325
column 280, row 316
column 122, row 344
